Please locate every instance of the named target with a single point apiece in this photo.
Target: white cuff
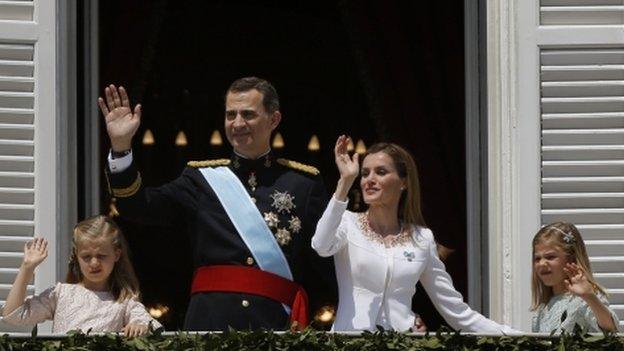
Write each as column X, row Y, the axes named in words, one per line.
column 118, row 165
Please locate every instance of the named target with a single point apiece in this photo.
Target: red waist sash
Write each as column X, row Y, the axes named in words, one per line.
column 247, row 280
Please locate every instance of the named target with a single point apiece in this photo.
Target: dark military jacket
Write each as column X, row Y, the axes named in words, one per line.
column 290, row 196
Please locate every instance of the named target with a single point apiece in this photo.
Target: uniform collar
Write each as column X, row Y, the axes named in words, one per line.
column 242, row 163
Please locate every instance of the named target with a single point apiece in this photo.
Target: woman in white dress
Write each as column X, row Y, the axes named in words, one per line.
column 382, row 253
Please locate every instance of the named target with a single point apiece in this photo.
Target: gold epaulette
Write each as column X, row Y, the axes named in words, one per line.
column 209, row 163
column 298, row 166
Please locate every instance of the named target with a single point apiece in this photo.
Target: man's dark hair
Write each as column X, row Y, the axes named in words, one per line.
column 270, row 100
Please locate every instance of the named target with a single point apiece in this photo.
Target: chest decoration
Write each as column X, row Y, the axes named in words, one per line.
column 283, row 204
column 252, row 181
column 282, row 201
column 294, row 224
column 271, row 219
column 400, row 239
column 283, row 236
column 409, row 255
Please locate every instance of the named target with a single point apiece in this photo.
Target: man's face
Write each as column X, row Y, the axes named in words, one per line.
column 248, row 125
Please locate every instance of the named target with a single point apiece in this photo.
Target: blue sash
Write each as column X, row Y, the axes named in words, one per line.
column 247, row 220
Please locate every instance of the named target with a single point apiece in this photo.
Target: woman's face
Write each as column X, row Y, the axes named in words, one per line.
column 381, row 184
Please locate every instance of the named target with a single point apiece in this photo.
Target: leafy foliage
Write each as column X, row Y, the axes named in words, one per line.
column 313, row 340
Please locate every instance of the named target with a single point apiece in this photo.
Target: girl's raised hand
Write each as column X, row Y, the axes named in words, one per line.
column 35, row 252
column 134, row 329
column 577, row 282
column 348, row 166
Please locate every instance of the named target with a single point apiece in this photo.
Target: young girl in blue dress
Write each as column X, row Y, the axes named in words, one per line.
column 564, row 290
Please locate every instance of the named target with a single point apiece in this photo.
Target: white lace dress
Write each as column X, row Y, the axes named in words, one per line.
column 563, row 311
column 72, row 306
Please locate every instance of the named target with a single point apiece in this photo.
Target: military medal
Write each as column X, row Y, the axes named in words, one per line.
column 252, row 181
column 282, row 202
column 271, row 219
column 294, row 224
column 283, row 236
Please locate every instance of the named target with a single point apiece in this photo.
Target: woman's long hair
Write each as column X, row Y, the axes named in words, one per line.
column 568, row 238
column 409, row 204
column 122, row 281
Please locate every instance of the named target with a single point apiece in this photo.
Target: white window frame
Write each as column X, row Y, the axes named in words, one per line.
column 514, row 125
column 42, row 33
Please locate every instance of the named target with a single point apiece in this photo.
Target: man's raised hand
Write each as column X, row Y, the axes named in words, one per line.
column 121, row 121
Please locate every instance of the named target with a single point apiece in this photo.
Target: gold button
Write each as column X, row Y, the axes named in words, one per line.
column 245, row 303
column 250, row 260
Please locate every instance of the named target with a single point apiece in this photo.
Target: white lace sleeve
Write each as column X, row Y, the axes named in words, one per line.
column 329, row 236
column 35, row 309
column 136, row 313
column 591, row 318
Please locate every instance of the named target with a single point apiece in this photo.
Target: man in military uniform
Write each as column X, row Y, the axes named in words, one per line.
column 249, row 218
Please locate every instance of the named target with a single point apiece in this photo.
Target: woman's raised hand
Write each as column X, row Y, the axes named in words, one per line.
column 121, row 121
column 35, row 252
column 348, row 166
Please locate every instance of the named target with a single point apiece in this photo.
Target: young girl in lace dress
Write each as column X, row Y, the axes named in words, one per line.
column 564, row 290
column 101, row 293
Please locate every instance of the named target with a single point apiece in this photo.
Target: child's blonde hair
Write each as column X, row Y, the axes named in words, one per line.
column 568, row 238
column 123, row 282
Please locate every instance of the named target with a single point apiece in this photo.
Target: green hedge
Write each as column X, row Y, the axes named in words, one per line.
column 314, row 340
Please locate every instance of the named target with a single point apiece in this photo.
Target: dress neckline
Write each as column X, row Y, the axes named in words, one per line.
column 400, row 239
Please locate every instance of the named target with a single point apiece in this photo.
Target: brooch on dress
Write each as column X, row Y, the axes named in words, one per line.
column 409, row 255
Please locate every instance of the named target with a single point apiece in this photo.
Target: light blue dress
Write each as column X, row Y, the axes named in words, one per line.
column 563, row 311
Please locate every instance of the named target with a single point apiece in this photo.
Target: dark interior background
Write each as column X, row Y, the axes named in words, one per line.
column 376, row 70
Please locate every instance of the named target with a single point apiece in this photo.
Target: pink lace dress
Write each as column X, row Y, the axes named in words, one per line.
column 72, row 306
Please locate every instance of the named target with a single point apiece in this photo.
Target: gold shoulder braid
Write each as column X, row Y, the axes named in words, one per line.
column 128, row 191
column 209, row 163
column 298, row 166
